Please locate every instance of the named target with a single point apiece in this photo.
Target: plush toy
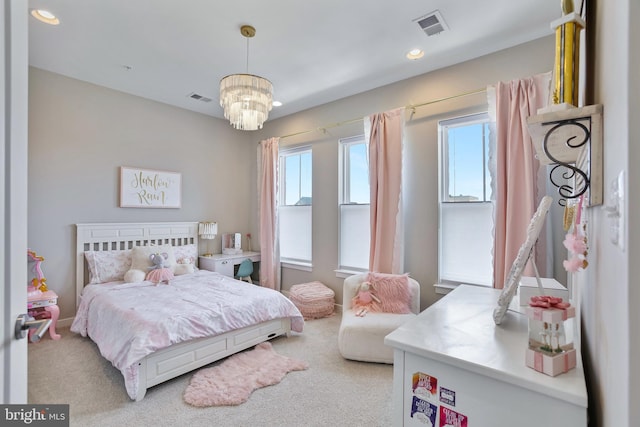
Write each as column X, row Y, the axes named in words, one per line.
column 158, row 272
column 184, row 265
column 185, row 260
column 134, row 275
column 141, row 261
column 365, row 300
column 158, row 260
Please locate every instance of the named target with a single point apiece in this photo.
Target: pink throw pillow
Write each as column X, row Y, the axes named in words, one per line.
column 393, row 291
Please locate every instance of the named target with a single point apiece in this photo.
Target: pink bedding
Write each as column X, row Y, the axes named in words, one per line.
column 128, row 321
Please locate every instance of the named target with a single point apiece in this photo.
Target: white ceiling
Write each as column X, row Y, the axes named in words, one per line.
column 313, row 52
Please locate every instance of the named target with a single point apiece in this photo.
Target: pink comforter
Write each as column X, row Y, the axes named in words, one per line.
column 128, row 321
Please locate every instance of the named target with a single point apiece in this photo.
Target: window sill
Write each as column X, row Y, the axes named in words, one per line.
column 297, row 265
column 445, row 288
column 344, row 273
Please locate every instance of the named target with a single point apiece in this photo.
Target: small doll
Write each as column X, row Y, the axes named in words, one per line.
column 364, row 300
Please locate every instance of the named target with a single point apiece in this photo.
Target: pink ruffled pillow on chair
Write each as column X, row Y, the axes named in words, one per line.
column 393, row 291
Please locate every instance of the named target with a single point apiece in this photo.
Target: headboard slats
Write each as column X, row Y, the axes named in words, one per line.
column 121, row 236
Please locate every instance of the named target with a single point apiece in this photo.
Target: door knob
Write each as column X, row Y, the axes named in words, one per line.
column 24, row 322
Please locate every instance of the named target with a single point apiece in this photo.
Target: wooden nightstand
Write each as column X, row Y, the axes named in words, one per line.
column 227, row 264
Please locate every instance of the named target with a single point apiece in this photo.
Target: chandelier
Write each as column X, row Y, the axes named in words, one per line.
column 246, row 98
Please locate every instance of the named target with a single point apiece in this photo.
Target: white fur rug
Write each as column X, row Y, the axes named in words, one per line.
column 233, row 381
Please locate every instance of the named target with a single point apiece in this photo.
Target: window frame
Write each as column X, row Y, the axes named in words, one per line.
column 443, row 176
column 445, row 285
column 289, row 152
column 344, row 197
column 296, row 263
column 345, row 167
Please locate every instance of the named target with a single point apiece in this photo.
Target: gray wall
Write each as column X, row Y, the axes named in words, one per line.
column 79, row 136
column 420, row 189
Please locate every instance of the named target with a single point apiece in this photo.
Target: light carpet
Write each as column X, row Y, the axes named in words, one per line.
column 233, row 381
column 332, row 392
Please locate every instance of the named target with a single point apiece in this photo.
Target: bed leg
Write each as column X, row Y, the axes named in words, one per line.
column 142, row 380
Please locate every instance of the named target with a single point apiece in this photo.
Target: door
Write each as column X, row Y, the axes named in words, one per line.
column 13, row 197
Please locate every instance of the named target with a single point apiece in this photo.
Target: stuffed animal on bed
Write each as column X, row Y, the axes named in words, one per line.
column 158, row 272
column 158, row 260
column 184, row 265
column 141, row 261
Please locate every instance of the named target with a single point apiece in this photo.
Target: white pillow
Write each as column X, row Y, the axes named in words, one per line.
column 186, row 252
column 186, row 258
column 107, row 266
column 140, row 261
column 184, row 269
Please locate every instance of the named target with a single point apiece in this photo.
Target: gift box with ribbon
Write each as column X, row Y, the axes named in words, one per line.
column 551, row 331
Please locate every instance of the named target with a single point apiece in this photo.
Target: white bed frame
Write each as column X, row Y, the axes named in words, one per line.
column 181, row 358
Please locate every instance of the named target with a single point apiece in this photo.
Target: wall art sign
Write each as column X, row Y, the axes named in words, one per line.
column 145, row 188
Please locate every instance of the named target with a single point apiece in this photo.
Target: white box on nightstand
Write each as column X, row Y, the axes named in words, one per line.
column 529, row 287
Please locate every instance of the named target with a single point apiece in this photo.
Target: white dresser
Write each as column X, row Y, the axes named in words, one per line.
column 453, row 362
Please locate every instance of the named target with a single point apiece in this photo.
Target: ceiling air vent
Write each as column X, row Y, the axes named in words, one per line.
column 197, row 97
column 432, row 23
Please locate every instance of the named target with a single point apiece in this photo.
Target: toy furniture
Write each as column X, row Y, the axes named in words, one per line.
column 41, row 302
column 362, row 337
column 45, row 306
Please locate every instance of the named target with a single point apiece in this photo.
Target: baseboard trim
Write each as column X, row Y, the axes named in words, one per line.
column 65, row 322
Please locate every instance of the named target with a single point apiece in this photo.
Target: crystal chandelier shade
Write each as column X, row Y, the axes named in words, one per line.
column 245, row 98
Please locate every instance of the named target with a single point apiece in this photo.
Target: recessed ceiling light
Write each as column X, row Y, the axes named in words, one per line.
column 45, row 16
column 414, row 54
column 277, row 104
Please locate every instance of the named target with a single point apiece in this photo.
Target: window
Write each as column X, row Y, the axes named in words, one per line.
column 466, row 212
column 354, row 205
column 295, row 205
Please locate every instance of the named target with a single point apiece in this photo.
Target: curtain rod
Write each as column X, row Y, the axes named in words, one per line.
column 409, row 107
